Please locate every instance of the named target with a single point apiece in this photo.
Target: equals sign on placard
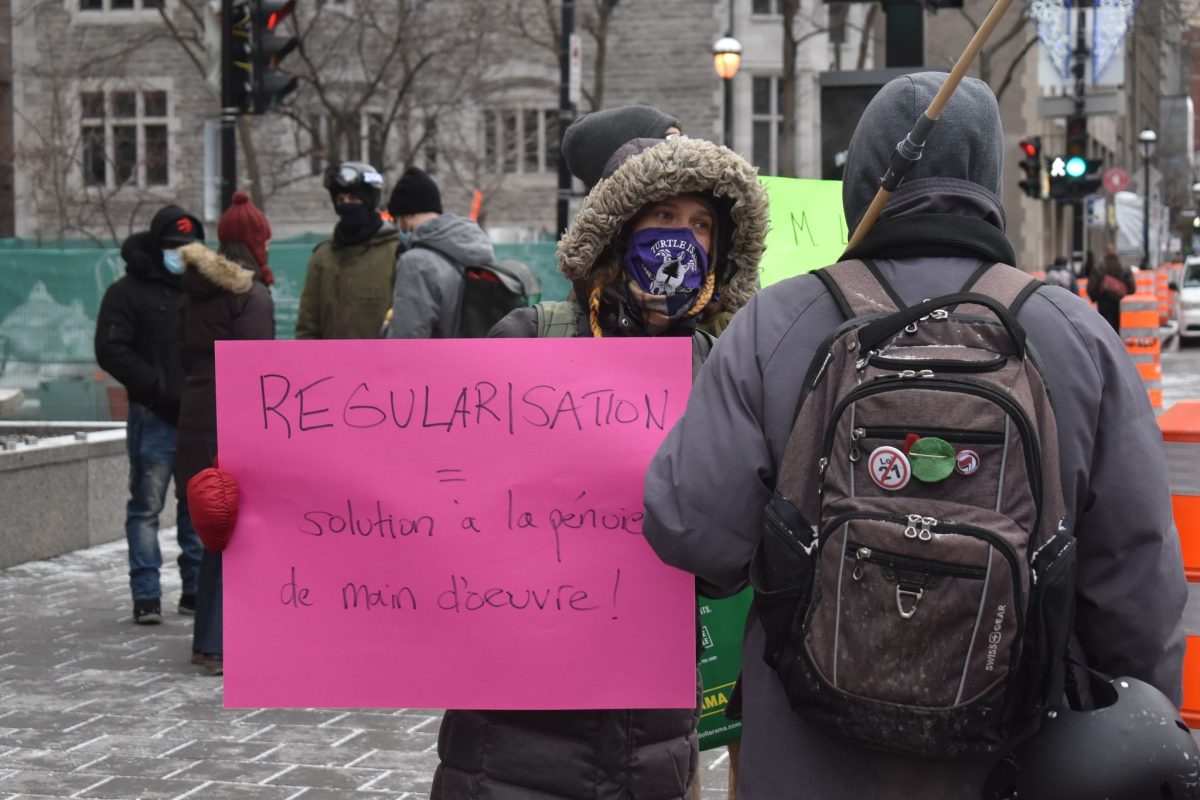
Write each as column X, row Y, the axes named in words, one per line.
column 450, row 476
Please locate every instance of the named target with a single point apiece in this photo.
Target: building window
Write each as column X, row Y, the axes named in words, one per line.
column 354, row 137
column 124, row 138
column 520, row 141
column 767, row 100
column 120, row 5
column 764, row 7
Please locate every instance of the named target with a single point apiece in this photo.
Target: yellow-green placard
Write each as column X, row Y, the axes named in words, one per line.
column 808, row 228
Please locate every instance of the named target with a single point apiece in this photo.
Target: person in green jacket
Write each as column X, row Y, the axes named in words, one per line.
column 348, row 288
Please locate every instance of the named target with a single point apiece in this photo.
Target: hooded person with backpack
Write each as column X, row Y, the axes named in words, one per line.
column 715, row 505
column 430, row 274
column 669, row 239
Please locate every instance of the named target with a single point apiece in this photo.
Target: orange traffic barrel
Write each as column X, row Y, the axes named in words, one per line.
column 1191, row 683
column 1144, row 280
column 1162, row 280
column 1139, row 331
column 1039, row 274
column 1180, row 427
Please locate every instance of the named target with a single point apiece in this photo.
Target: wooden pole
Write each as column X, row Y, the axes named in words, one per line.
column 934, row 111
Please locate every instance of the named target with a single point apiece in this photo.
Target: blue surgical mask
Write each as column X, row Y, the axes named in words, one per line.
column 173, row 262
column 405, row 237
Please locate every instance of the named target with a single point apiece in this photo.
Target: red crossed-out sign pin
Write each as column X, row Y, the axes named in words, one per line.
column 889, row 468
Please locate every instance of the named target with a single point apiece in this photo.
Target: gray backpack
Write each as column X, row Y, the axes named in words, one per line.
column 914, row 576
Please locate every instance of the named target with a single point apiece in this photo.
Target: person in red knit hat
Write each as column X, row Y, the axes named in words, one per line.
column 226, row 297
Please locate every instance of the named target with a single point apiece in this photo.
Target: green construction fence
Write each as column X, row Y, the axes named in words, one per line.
column 50, row 293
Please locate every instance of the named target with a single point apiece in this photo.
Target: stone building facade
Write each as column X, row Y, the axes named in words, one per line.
column 115, row 110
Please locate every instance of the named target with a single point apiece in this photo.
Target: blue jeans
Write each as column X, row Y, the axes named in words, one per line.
column 151, row 444
column 207, row 635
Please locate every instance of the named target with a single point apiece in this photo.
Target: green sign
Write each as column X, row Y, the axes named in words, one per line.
column 721, row 625
column 808, row 228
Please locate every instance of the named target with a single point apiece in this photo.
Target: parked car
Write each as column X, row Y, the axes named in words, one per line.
column 1189, row 299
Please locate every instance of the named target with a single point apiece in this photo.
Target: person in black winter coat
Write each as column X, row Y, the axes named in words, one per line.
column 136, row 342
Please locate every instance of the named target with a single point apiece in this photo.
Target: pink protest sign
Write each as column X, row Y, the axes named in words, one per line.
column 451, row 524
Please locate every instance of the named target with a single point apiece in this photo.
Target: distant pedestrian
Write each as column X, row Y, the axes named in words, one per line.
column 428, row 293
column 348, row 287
column 136, row 337
column 1108, row 284
column 1059, row 274
column 226, row 299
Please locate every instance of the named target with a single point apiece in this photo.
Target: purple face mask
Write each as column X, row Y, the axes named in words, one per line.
column 667, row 262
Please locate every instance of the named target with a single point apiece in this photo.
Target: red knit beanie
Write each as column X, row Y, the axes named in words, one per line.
column 243, row 222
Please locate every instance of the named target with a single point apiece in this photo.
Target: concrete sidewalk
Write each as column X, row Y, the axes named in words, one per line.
column 93, row 706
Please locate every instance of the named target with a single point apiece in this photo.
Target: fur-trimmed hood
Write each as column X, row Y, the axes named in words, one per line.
column 668, row 168
column 218, row 270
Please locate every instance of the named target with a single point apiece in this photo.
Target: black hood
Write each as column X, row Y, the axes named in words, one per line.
column 165, row 230
column 143, row 258
column 965, row 147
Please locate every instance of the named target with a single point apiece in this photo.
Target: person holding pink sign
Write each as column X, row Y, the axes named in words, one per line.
column 667, row 244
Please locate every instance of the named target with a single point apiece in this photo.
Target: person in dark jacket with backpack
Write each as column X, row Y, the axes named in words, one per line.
column 428, row 292
column 226, row 299
column 669, row 238
column 136, row 343
column 707, row 487
column 1108, row 284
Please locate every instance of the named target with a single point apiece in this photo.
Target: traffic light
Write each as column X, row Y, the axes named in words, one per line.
column 1031, row 166
column 1074, row 177
column 1077, row 136
column 270, row 85
column 240, row 66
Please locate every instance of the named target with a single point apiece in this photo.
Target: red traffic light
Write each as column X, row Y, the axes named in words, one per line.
column 1029, row 148
column 273, row 12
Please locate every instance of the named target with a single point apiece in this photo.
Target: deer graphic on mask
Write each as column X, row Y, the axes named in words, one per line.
column 667, row 262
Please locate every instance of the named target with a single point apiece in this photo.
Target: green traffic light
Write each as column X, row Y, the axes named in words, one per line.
column 1076, row 167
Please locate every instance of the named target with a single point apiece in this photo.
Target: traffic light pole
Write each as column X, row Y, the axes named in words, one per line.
column 566, row 115
column 1079, row 70
column 228, row 111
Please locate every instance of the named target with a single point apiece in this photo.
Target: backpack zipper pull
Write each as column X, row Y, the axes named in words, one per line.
column 861, row 364
column 855, row 435
column 860, row 555
column 913, row 373
column 925, row 534
column 910, row 531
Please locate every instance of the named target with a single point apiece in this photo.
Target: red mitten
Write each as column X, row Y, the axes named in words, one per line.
column 213, row 506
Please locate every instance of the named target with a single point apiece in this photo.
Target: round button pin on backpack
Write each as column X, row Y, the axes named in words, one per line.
column 932, row 459
column 966, row 462
column 889, row 468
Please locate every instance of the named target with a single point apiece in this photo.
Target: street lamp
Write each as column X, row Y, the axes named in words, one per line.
column 1146, row 139
column 727, row 57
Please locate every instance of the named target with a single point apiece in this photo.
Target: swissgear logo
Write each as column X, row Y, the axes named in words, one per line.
column 994, row 639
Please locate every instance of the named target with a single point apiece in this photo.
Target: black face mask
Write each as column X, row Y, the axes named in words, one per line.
column 353, row 214
column 359, row 222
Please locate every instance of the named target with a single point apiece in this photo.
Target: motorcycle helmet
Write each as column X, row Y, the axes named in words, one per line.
column 357, row 178
column 1132, row 746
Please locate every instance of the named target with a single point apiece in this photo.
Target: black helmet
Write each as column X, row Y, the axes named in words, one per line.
column 357, row 178
column 1132, row 746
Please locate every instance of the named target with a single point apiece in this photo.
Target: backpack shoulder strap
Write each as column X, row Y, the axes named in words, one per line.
column 556, row 319
column 1008, row 285
column 859, row 289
